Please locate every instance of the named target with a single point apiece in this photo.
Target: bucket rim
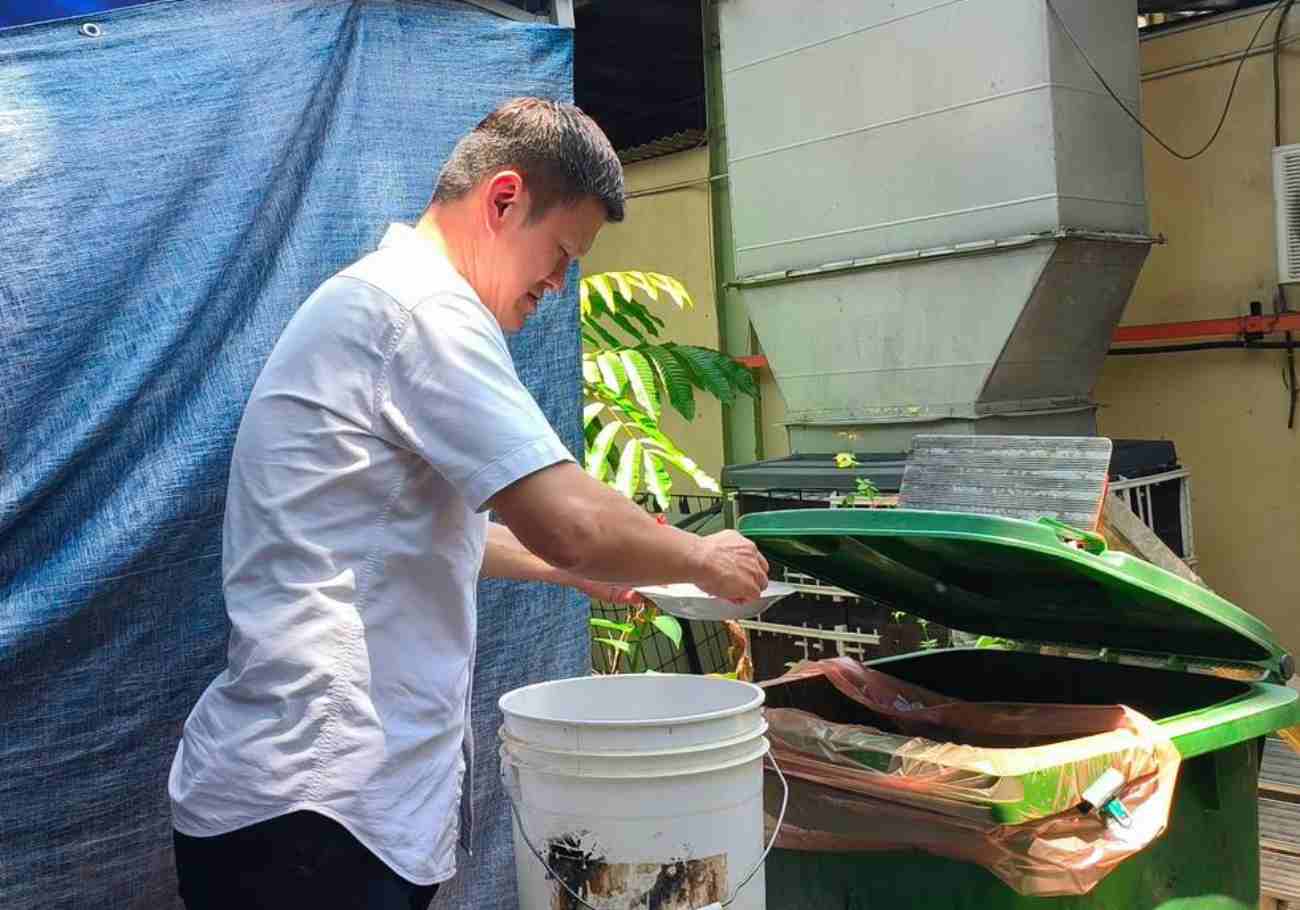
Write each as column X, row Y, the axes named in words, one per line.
column 505, row 737
column 507, row 755
column 758, row 696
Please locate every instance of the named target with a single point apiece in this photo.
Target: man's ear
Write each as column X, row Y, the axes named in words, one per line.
column 504, row 200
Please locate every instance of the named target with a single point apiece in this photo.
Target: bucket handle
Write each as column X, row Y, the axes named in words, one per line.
column 511, row 787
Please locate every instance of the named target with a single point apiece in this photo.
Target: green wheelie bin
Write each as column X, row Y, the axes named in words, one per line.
column 1089, row 627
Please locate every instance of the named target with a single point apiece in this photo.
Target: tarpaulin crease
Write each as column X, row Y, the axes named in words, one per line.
column 171, row 192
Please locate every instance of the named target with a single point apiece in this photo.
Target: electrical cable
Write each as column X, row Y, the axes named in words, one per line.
column 1277, row 72
column 1202, row 346
column 1227, row 105
column 1288, row 370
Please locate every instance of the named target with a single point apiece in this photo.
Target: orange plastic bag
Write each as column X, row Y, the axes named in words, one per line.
column 1291, row 736
column 858, row 787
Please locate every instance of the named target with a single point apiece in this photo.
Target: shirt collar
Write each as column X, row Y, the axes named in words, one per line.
column 424, row 256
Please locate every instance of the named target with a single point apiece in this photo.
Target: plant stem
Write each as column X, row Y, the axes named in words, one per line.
column 634, row 617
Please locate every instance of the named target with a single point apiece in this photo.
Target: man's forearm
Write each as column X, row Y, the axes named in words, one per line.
column 506, row 557
column 577, row 523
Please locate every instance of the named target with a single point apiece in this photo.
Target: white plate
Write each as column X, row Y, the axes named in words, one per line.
column 689, row 602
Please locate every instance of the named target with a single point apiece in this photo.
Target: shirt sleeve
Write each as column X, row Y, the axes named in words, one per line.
column 450, row 393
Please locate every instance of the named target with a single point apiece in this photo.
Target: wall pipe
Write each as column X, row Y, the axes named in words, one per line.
column 1237, row 326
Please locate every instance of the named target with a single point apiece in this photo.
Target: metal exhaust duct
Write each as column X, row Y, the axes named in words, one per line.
column 939, row 215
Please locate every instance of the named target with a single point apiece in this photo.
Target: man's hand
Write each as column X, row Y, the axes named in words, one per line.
column 731, row 567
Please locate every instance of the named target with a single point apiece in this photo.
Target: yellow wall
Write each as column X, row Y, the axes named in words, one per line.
column 1225, row 410
column 670, row 231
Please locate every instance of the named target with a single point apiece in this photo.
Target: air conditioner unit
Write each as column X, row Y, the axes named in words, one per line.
column 1286, row 208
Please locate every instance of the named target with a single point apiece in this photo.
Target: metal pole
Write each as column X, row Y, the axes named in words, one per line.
column 739, row 436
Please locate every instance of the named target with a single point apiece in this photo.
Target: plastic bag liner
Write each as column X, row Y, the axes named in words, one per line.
column 877, row 763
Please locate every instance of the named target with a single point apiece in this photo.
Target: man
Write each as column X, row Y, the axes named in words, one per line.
column 326, row 766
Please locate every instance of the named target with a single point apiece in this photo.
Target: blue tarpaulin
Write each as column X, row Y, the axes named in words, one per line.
column 172, row 187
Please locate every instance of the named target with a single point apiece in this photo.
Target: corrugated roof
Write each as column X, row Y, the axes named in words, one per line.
column 677, row 142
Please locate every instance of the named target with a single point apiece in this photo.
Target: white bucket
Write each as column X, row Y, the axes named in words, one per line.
column 630, row 786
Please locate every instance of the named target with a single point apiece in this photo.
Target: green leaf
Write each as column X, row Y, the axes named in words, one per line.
column 597, row 465
column 740, row 375
column 701, row 364
column 590, row 411
column 611, row 371
column 620, row 404
column 611, row 340
column 674, row 379
column 718, row 368
column 590, row 372
column 623, row 627
column 641, row 377
column 642, row 421
column 683, row 463
column 601, row 288
column 657, row 479
column 637, row 311
column 626, row 325
column 714, row 366
column 616, row 644
column 590, row 434
column 624, row 288
column 670, row 627
column 642, row 281
column 628, row 480
column 674, row 288
column 584, row 298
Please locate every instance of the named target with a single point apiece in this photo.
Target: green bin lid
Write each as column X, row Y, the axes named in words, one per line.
column 1017, row 579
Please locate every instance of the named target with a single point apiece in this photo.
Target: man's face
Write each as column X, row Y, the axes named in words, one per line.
column 533, row 258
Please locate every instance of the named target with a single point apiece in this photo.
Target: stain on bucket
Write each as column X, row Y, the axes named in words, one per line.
column 679, row 885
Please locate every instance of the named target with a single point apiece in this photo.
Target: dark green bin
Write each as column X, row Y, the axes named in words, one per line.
column 1124, row 632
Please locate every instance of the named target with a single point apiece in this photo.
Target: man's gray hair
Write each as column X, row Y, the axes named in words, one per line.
column 560, row 151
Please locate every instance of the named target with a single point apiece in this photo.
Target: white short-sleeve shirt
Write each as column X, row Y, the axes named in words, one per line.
column 388, row 414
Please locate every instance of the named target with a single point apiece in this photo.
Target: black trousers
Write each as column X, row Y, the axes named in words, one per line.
column 302, row 859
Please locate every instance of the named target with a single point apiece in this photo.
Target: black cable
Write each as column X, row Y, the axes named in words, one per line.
column 1288, row 371
column 1288, row 377
column 1288, row 368
column 1227, row 105
column 1277, row 72
column 1203, row 346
